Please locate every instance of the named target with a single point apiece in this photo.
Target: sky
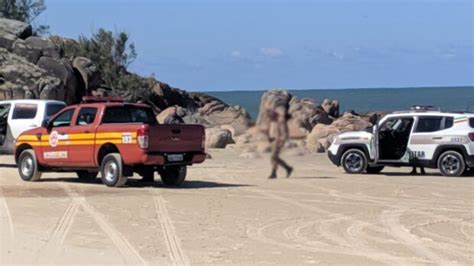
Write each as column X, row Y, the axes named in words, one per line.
column 212, row 45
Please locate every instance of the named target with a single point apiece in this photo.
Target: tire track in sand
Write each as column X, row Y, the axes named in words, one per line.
column 391, row 218
column 60, row 232
column 128, row 252
column 172, row 241
column 6, row 228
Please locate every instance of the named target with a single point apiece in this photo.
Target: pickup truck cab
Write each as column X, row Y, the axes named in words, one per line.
column 419, row 137
column 114, row 138
column 17, row 116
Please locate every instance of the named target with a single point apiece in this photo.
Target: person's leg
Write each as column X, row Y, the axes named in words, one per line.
column 413, row 172
column 422, row 170
column 274, row 162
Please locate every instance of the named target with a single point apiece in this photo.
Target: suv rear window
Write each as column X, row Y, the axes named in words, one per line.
column 128, row 114
column 471, row 122
column 433, row 123
column 25, row 111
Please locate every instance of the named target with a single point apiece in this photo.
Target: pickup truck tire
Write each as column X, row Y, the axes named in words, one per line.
column 28, row 166
column 374, row 169
column 86, row 175
column 354, row 161
column 451, row 163
column 111, row 170
column 173, row 175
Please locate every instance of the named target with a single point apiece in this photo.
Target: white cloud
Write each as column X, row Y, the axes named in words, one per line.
column 235, row 53
column 271, row 52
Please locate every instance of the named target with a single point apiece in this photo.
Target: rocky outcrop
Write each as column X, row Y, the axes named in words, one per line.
column 218, row 138
column 12, row 30
column 88, row 74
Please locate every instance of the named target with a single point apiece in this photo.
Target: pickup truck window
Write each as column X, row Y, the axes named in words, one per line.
column 53, row 108
column 471, row 122
column 433, row 123
column 86, row 116
column 128, row 114
column 64, row 119
column 25, row 111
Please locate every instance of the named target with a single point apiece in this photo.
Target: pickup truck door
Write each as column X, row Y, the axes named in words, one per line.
column 82, row 137
column 57, row 151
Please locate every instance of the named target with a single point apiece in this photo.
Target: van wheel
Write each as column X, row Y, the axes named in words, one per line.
column 374, row 169
column 451, row 163
column 28, row 166
column 354, row 161
column 111, row 170
column 173, row 175
column 86, row 175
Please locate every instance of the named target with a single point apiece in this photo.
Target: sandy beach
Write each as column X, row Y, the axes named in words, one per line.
column 229, row 213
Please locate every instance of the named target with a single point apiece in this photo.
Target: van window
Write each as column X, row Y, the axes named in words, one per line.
column 86, row 116
column 53, row 108
column 64, row 119
column 433, row 123
column 129, row 114
column 25, row 111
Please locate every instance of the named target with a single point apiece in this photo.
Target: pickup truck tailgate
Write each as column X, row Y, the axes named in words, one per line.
column 176, row 138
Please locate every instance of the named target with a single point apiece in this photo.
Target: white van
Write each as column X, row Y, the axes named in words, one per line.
column 17, row 116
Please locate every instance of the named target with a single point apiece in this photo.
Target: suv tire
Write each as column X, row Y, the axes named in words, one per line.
column 111, row 170
column 86, row 175
column 354, row 161
column 28, row 167
column 173, row 175
column 451, row 163
column 374, row 169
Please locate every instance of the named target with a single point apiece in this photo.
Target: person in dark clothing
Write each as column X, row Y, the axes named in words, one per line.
column 173, row 117
column 279, row 120
column 414, row 172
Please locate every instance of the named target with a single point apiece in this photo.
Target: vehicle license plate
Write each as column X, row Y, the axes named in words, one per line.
column 175, row 157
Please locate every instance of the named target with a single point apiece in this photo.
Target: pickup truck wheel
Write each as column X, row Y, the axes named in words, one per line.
column 86, row 175
column 28, row 166
column 451, row 163
column 173, row 175
column 354, row 161
column 374, row 169
column 111, row 170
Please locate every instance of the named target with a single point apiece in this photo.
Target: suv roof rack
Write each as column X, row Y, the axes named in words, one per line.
column 108, row 99
column 419, row 109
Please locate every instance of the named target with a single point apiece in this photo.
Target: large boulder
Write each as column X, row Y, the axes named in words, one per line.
column 7, row 40
column 19, row 29
column 45, row 46
column 331, row 107
column 62, row 69
column 23, row 79
column 317, row 139
column 22, row 48
column 218, row 138
column 88, row 72
column 351, row 122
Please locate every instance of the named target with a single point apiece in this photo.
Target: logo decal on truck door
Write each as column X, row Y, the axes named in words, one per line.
column 53, row 139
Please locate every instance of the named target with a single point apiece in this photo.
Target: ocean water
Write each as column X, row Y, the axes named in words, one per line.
column 365, row 100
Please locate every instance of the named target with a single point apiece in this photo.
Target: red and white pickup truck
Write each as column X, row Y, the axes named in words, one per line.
column 114, row 138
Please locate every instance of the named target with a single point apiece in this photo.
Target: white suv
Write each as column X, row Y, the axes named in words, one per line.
column 17, row 116
column 420, row 137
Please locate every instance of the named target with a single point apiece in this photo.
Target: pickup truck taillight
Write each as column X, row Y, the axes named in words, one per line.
column 142, row 138
column 471, row 136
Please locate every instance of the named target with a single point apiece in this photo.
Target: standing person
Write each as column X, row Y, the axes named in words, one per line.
column 173, row 117
column 279, row 119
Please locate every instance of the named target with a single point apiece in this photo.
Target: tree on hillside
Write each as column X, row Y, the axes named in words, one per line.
column 112, row 53
column 26, row 11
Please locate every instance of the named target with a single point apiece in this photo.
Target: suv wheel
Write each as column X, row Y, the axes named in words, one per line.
column 354, row 161
column 28, row 166
column 374, row 169
column 86, row 175
column 451, row 163
column 111, row 170
column 173, row 175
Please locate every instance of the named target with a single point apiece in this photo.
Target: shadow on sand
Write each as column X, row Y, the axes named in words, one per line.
column 8, row 165
column 312, row 177
column 136, row 183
